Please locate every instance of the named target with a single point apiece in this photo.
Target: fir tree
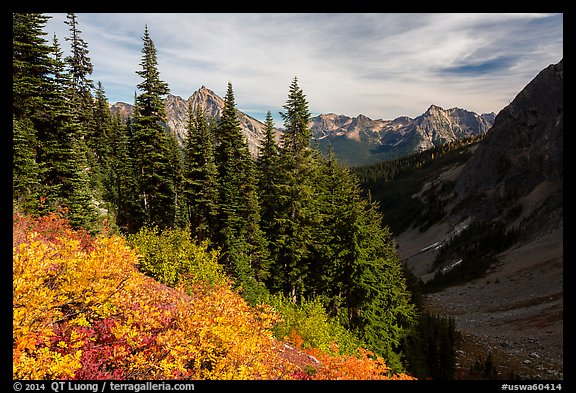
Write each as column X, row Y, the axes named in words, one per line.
column 383, row 312
column 79, row 68
column 121, row 181
column 267, row 173
column 200, row 176
column 338, row 199
column 177, row 166
column 296, row 137
column 79, row 92
column 64, row 152
column 79, row 65
column 296, row 216
column 31, row 68
column 31, row 91
column 151, row 144
column 103, row 123
column 26, row 175
column 98, row 144
column 239, row 235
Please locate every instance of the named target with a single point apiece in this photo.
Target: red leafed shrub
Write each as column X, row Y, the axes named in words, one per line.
column 49, row 228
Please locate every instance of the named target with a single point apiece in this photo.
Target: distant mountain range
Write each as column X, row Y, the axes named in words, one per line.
column 354, row 140
column 361, row 140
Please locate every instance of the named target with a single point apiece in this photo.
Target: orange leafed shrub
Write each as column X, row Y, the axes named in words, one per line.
column 365, row 366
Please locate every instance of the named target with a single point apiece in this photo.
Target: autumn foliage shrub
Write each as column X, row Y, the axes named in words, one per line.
column 52, row 227
column 310, row 323
column 82, row 310
column 171, row 257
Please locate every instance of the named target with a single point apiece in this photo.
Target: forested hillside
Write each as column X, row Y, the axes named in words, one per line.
column 393, row 183
column 164, row 241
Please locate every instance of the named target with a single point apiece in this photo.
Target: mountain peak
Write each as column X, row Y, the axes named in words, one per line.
column 521, row 157
column 433, row 109
column 204, row 90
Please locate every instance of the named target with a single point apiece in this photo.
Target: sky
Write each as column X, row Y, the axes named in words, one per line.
column 380, row 65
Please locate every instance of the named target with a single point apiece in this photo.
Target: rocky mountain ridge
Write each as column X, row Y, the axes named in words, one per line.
column 355, row 140
column 212, row 105
column 378, row 140
column 521, row 159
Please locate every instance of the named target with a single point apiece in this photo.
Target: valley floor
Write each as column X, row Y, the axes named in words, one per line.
column 514, row 312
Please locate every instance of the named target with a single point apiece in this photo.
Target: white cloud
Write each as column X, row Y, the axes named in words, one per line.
column 380, row 65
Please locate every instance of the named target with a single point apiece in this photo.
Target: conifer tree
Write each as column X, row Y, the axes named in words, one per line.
column 79, row 65
column 111, row 149
column 79, row 68
column 383, row 312
column 31, row 90
column 177, row 170
column 296, row 137
column 151, row 144
column 64, row 152
column 356, row 269
column 31, row 67
column 103, row 124
column 121, row 181
column 296, row 214
column 267, row 174
column 199, row 176
column 98, row 145
column 244, row 252
column 337, row 251
column 26, row 175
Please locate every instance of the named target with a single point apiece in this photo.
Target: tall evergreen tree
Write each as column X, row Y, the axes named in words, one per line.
column 337, row 251
column 26, row 174
column 79, row 64
column 79, row 68
column 381, row 305
column 121, row 189
column 64, row 152
column 239, row 235
column 200, row 187
column 103, row 124
column 151, row 144
column 31, row 67
column 98, row 144
column 267, row 174
column 296, row 214
column 296, row 137
column 177, row 171
column 31, row 91
column 357, row 268
column 79, row 92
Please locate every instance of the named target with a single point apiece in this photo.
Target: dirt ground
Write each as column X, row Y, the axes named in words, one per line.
column 515, row 312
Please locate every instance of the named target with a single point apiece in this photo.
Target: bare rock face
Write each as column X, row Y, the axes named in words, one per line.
column 212, row 105
column 521, row 159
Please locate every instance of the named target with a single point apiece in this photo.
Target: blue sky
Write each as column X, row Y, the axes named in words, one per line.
column 379, row 65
